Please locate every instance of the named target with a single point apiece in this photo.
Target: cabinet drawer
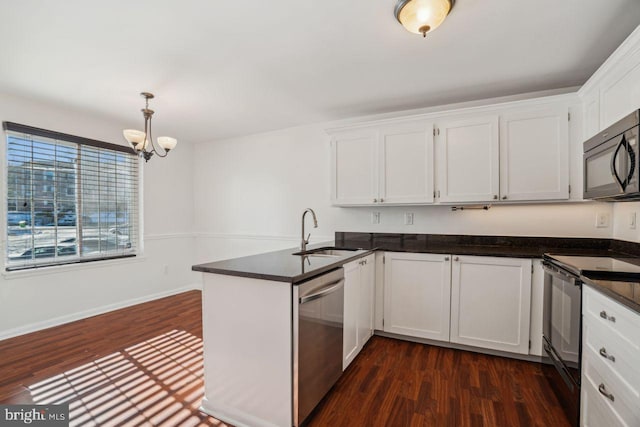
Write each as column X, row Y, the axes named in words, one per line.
column 614, row 352
column 615, row 318
column 624, row 402
column 595, row 412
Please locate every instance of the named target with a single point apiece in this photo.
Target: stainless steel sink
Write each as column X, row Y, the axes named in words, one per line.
column 326, row 252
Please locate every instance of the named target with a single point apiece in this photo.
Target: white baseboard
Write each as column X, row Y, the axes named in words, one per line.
column 37, row 326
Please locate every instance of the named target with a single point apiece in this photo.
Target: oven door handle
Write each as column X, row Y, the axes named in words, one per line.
column 562, row 370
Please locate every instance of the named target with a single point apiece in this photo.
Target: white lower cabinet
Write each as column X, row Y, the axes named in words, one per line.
column 359, row 283
column 417, row 294
column 478, row 301
column 610, row 385
column 491, row 302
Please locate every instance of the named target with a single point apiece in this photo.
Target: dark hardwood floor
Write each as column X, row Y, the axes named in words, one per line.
column 142, row 365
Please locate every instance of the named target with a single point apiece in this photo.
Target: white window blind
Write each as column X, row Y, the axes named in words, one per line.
column 69, row 199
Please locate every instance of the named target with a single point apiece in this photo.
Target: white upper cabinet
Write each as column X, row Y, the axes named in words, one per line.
column 406, row 163
column 534, row 155
column 354, row 168
column 391, row 164
column 613, row 91
column 467, row 160
column 491, row 302
column 620, row 94
column 514, row 152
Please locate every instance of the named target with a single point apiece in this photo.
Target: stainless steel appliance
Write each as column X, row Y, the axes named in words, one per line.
column 562, row 335
column 611, row 162
column 562, row 331
column 318, row 306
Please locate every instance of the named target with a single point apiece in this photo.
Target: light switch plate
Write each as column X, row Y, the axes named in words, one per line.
column 375, row 217
column 408, row 218
column 602, row 220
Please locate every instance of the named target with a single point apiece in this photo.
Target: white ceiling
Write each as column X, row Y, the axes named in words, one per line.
column 224, row 68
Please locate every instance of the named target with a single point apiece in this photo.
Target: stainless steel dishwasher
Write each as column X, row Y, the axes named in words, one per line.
column 318, row 306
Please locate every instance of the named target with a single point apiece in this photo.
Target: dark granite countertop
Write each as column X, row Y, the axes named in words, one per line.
column 280, row 266
column 502, row 246
column 626, row 293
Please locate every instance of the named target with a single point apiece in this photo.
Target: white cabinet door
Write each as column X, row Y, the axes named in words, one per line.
column 417, row 295
column 490, row 302
column 354, row 168
column 406, row 163
column 367, row 285
column 467, row 160
column 534, row 155
column 351, row 307
column 619, row 94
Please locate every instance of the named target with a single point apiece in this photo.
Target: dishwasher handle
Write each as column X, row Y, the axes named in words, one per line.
column 330, row 288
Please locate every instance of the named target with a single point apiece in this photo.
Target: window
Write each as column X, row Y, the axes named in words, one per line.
column 69, row 199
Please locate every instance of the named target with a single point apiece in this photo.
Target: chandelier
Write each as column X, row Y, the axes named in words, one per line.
column 142, row 142
column 422, row 16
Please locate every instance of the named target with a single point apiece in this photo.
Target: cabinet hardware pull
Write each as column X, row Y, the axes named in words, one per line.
column 495, row 197
column 604, row 315
column 375, row 200
column 381, row 200
column 456, row 259
column 603, row 391
column 504, row 197
column 603, row 353
column 446, row 258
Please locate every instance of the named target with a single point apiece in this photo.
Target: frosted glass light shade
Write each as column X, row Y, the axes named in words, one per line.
column 167, row 143
column 136, row 138
column 422, row 16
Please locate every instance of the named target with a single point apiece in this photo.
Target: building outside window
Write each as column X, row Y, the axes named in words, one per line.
column 69, row 199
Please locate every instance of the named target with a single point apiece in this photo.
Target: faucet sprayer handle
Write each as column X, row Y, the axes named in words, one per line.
column 308, row 237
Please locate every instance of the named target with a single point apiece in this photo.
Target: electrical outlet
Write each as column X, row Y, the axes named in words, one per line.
column 408, row 218
column 602, row 220
column 632, row 221
column 375, row 217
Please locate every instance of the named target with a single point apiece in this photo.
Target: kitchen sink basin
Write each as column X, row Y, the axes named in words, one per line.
column 326, row 252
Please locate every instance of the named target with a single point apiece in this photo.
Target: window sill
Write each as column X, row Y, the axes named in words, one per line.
column 55, row 269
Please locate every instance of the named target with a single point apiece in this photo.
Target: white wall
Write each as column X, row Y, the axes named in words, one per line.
column 252, row 190
column 34, row 299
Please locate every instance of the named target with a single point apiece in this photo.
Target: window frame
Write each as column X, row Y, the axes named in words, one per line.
column 136, row 252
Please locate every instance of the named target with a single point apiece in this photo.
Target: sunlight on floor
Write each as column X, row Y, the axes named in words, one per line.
column 155, row 382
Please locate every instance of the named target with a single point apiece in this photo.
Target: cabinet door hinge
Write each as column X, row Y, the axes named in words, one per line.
column 531, row 268
column 529, row 344
column 384, row 259
column 569, row 188
column 382, row 323
column 434, row 131
column 569, row 116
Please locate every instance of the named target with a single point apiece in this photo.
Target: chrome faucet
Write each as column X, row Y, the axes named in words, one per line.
column 304, row 242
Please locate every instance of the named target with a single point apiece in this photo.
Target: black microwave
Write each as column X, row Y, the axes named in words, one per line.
column 612, row 162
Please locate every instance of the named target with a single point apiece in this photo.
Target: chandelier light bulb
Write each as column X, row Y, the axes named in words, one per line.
column 142, row 142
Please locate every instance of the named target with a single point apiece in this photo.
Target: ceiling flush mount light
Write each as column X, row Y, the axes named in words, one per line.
column 142, row 142
column 422, row 16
